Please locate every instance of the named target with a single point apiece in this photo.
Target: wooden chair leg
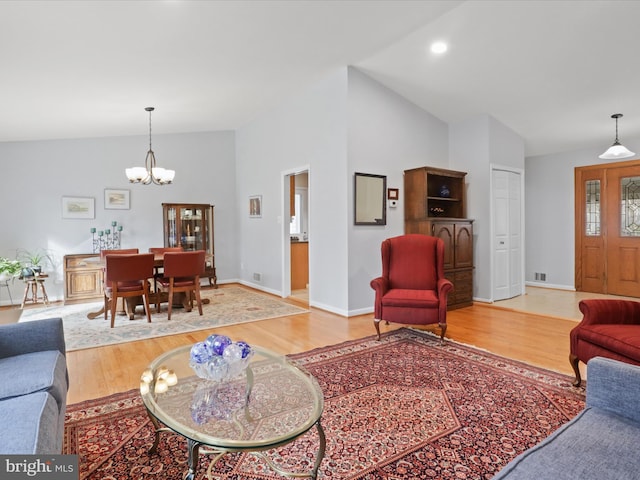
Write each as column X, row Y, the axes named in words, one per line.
column 107, row 307
column 575, row 364
column 376, row 322
column 443, row 327
column 114, row 303
column 145, row 298
column 198, row 299
column 170, row 299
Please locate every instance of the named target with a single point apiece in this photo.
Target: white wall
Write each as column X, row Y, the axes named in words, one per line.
column 308, row 129
column 35, row 176
column 387, row 134
column 475, row 144
column 550, row 215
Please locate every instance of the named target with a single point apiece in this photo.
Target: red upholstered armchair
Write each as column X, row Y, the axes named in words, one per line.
column 609, row 328
column 412, row 288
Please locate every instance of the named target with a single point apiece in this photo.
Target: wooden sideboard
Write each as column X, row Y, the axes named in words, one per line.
column 82, row 278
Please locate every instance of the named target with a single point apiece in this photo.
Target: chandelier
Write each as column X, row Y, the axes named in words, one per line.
column 150, row 173
column 617, row 150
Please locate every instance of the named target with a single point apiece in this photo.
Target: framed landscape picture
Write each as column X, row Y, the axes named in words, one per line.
column 78, row 207
column 117, row 199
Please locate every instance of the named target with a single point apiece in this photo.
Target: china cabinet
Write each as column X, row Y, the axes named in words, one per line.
column 191, row 226
column 435, row 205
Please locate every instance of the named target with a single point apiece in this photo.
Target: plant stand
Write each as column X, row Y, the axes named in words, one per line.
column 31, row 285
column 5, row 283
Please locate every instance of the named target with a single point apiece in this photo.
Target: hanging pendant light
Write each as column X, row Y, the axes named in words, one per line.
column 150, row 173
column 617, row 150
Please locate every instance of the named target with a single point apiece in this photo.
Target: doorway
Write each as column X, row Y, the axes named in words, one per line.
column 507, row 239
column 297, row 238
column 607, row 212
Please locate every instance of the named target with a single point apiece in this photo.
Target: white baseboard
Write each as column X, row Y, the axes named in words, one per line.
column 257, row 286
column 551, row 285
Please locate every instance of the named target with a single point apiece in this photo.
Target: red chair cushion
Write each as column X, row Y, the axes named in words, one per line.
column 623, row 339
column 177, row 282
column 401, row 297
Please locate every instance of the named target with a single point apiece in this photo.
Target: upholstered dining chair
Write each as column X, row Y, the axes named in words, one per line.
column 182, row 271
column 103, row 257
column 157, row 271
column 412, row 288
column 128, row 276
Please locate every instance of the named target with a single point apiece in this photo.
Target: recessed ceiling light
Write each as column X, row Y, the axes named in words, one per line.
column 438, row 47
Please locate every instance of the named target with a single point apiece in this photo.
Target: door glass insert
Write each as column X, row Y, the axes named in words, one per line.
column 630, row 203
column 592, row 223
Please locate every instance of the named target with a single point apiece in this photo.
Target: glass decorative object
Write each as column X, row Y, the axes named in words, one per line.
column 219, row 359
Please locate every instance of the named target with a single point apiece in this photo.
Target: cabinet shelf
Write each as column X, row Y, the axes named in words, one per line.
column 444, row 199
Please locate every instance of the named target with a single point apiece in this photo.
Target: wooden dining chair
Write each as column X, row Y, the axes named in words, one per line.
column 128, row 276
column 103, row 260
column 158, row 270
column 182, row 271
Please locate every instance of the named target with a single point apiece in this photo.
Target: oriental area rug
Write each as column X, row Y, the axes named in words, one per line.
column 402, row 408
column 227, row 306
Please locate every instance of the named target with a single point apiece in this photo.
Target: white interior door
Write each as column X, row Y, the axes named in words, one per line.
column 507, row 234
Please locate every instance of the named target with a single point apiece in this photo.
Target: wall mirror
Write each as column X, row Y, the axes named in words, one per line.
column 370, row 199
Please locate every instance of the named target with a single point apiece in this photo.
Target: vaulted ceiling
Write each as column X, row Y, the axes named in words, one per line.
column 554, row 72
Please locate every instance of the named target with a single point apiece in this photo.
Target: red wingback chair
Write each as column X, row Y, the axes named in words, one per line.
column 609, row 328
column 182, row 271
column 127, row 276
column 412, row 289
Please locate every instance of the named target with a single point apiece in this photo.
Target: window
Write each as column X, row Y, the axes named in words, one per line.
column 592, row 224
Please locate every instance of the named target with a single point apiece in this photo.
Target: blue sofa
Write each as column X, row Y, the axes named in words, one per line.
column 601, row 443
column 33, row 387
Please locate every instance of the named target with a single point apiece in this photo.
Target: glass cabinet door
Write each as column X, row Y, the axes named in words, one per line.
column 193, row 221
column 190, row 226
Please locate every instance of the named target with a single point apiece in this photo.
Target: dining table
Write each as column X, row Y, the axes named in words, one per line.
column 181, row 300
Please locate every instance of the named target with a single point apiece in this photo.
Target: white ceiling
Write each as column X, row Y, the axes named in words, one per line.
column 554, row 72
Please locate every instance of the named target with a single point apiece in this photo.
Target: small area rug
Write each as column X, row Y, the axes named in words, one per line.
column 228, row 306
column 403, row 408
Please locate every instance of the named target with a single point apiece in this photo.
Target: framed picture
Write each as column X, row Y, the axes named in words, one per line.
column 255, row 206
column 392, row 193
column 116, row 199
column 78, row 207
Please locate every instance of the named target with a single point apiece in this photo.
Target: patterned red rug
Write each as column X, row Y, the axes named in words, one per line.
column 402, row 408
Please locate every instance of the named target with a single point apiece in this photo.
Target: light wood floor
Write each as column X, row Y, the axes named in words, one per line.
column 535, row 339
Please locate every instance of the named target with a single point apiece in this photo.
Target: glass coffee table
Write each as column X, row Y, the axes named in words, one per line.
column 269, row 405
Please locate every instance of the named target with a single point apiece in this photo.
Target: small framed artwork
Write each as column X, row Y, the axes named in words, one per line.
column 78, row 207
column 392, row 193
column 255, row 206
column 117, row 199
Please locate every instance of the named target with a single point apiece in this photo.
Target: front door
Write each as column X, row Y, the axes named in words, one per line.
column 608, row 229
column 623, row 231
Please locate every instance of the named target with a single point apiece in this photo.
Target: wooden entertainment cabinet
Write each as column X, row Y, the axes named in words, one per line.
column 434, row 205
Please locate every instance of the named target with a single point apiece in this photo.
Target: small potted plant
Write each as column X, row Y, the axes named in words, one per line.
column 34, row 261
column 9, row 269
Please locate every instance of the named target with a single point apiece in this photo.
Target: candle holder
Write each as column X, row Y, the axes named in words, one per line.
column 108, row 239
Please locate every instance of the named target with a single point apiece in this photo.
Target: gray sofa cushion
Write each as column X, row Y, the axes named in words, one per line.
column 34, row 372
column 594, row 445
column 36, row 432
